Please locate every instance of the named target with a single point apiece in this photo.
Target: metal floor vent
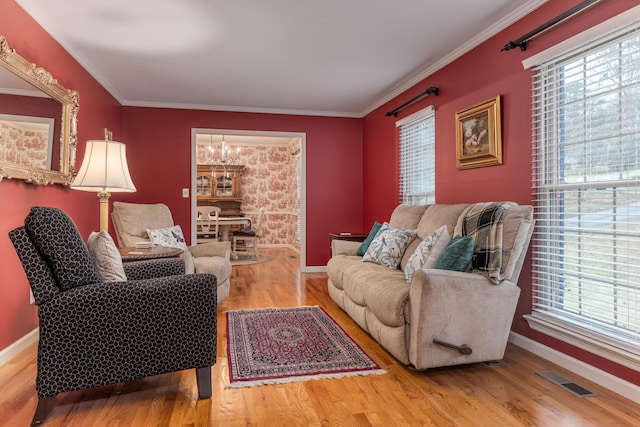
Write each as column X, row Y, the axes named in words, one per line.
column 570, row 386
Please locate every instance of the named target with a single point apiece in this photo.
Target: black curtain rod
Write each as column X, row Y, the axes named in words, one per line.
column 522, row 41
column 429, row 91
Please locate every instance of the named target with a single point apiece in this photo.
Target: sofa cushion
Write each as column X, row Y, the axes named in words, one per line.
column 457, row 255
column 388, row 246
column 58, row 240
column 515, row 239
column 438, row 215
column 407, row 217
column 337, row 266
column 409, row 251
column 359, row 278
column 427, row 253
column 387, row 299
column 362, row 249
column 106, row 256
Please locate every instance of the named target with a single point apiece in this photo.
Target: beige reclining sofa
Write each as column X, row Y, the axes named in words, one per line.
column 132, row 220
column 441, row 317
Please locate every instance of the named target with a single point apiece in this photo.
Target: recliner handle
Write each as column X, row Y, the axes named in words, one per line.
column 463, row 349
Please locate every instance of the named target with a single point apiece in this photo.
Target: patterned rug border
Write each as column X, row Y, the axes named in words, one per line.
column 375, row 370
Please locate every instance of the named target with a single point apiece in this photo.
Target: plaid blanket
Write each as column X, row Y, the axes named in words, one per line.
column 483, row 222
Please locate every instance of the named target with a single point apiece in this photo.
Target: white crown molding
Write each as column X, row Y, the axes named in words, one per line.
column 240, row 109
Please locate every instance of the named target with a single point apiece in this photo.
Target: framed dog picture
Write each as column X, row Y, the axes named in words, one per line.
column 479, row 135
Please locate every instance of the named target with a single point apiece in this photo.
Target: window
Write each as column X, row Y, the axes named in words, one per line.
column 417, row 157
column 586, row 191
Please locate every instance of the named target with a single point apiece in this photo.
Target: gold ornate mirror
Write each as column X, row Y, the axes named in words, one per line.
column 38, row 119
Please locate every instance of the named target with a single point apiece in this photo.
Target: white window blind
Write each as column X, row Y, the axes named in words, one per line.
column 417, row 157
column 586, row 191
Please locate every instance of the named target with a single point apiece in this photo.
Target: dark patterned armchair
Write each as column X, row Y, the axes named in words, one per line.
column 94, row 333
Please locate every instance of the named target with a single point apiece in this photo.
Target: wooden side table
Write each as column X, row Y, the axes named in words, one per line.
column 136, row 254
column 342, row 236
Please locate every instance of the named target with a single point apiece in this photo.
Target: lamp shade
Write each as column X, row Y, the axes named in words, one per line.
column 104, row 168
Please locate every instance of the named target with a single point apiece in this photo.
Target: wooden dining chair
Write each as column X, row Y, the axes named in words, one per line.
column 208, row 227
column 250, row 234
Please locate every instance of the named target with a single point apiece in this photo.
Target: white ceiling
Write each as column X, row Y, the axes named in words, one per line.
column 323, row 57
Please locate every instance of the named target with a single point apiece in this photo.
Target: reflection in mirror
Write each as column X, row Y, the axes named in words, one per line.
column 38, row 116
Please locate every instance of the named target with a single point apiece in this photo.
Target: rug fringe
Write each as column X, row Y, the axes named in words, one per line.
column 302, row 378
column 238, row 310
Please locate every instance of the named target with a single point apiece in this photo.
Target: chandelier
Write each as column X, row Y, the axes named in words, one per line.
column 224, row 158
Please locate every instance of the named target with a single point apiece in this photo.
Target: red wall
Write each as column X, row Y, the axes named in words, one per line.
column 478, row 75
column 97, row 110
column 159, row 156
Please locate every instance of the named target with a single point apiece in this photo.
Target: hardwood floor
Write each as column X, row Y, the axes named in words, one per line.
column 510, row 394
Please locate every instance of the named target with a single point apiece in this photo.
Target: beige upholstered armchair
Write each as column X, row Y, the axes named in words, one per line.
column 132, row 220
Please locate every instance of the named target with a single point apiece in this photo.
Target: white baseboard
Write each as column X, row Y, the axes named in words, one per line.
column 598, row 376
column 315, row 269
column 14, row 349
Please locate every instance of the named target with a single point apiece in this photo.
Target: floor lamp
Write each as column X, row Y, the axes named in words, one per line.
column 104, row 170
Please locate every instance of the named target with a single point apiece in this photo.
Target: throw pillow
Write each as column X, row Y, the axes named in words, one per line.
column 362, row 249
column 427, row 253
column 170, row 237
column 457, row 255
column 58, row 240
column 388, row 246
column 106, row 256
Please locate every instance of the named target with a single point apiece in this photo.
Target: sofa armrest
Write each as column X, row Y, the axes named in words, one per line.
column 344, row 247
column 460, row 309
column 221, row 249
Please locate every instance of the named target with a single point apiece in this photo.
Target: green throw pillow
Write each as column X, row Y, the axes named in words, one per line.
column 457, row 255
column 362, row 249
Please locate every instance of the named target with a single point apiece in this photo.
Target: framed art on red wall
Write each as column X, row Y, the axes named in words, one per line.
column 479, row 135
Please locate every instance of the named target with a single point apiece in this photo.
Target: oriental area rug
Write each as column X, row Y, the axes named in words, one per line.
column 282, row 345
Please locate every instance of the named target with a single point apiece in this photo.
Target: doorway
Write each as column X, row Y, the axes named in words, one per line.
column 274, row 178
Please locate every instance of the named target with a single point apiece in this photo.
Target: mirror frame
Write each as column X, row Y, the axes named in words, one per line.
column 43, row 80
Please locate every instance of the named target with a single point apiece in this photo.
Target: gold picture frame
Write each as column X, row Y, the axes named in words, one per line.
column 479, row 135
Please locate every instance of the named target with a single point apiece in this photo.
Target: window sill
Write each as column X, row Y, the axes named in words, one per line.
column 585, row 339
